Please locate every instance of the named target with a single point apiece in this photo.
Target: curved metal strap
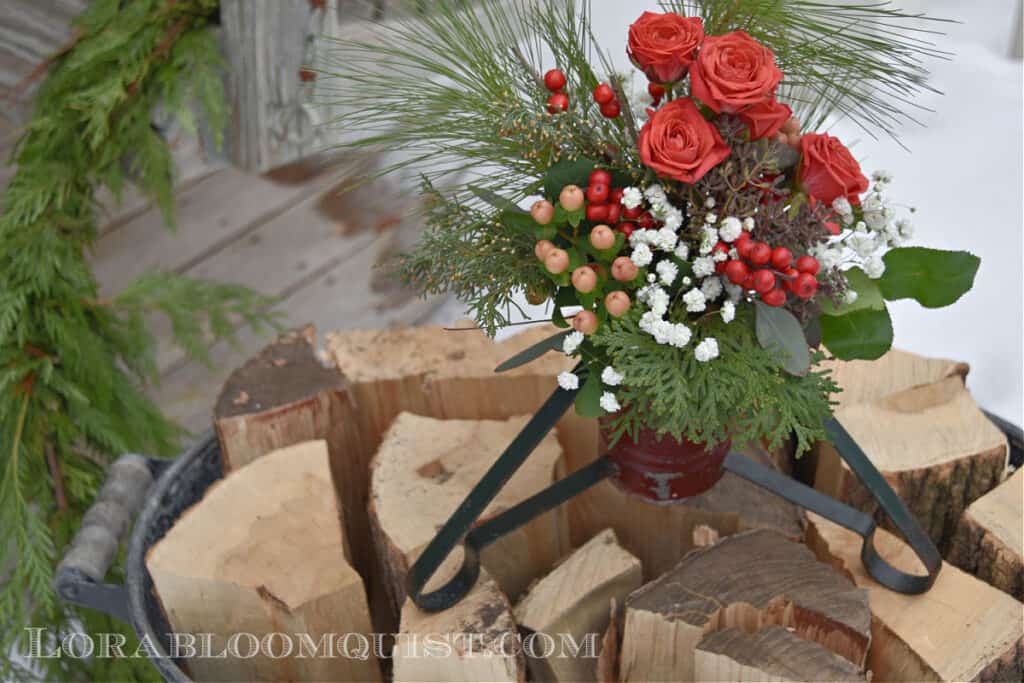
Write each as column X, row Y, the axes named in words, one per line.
column 462, row 520
column 852, row 519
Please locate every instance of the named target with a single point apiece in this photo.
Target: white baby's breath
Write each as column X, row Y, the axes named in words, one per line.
column 611, row 377
column 706, row 350
column 568, row 381
column 572, row 342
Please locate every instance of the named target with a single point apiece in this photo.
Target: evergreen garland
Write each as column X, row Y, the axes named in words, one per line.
column 74, row 368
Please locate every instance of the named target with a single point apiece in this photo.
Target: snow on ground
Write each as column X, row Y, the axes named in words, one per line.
column 963, row 172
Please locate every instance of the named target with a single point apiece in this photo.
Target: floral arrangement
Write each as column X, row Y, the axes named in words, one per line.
column 702, row 248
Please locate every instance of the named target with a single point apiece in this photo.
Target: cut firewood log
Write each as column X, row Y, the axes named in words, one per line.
column 422, row 472
column 660, row 535
column 748, row 581
column 474, row 640
column 608, row 658
column 571, row 605
column 988, row 542
column 960, row 630
column 285, row 396
column 261, row 554
column 772, row 654
column 929, row 439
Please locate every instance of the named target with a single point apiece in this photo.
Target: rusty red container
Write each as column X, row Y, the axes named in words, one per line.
column 665, row 470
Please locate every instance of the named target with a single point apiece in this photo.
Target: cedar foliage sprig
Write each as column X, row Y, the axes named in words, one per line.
column 75, row 368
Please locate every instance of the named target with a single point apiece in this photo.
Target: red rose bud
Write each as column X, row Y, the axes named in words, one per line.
column 554, row 80
column 764, row 120
column 656, row 90
column 625, row 228
column 614, row 212
column 733, row 72
column 597, row 213
column 633, row 213
column 678, row 142
column 828, row 170
column 806, row 285
column 603, row 94
column 646, row 221
column 662, row 45
column 774, row 297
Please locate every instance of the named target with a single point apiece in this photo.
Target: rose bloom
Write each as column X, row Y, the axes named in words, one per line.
column 663, row 45
column 765, row 119
column 677, row 142
column 828, row 170
column 734, row 72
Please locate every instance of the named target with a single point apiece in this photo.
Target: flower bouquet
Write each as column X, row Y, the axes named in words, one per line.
column 702, row 244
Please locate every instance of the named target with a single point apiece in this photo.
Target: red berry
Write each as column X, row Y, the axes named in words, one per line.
column 614, row 211
column 625, row 228
column 764, row 280
column 806, row 285
column 603, row 94
column 656, row 90
column 808, row 264
column 558, row 103
column 611, row 110
column 789, row 282
column 736, row 271
column 744, row 236
column 599, row 177
column 633, row 213
column 615, row 196
column 597, row 193
column 774, row 297
column 782, row 258
column 720, row 247
column 743, row 248
column 646, row 221
column 748, row 282
column 760, row 253
column 597, row 213
column 554, row 80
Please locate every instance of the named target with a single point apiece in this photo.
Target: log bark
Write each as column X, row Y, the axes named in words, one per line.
column 988, row 542
column 422, row 472
column 928, row 438
column 573, row 601
column 749, row 581
column 771, row 654
column 660, row 535
column 475, row 640
column 228, row 566
column 960, row 630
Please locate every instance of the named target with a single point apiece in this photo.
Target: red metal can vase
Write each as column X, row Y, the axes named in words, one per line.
column 665, row 470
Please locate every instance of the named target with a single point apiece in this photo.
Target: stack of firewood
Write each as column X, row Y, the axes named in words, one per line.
column 340, row 468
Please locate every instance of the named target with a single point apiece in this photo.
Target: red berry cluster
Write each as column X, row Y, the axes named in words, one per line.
column 770, row 272
column 656, row 91
column 605, row 97
column 604, row 205
column 554, row 80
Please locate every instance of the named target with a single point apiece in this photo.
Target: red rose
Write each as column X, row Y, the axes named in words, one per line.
column 679, row 143
column 765, row 120
column 733, row 72
column 828, row 170
column 663, row 45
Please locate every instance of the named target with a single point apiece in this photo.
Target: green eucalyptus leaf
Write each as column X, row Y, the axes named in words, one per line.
column 495, row 200
column 588, row 401
column 534, row 352
column 932, row 277
column 869, row 294
column 865, row 334
column 779, row 329
column 567, row 172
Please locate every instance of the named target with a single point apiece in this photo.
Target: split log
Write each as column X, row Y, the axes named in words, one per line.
column 474, row 640
column 960, row 630
column 660, row 535
column 263, row 553
column 572, row 602
column 608, row 659
column 930, row 441
column 748, row 581
column 424, row 470
column 771, row 654
column 988, row 542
